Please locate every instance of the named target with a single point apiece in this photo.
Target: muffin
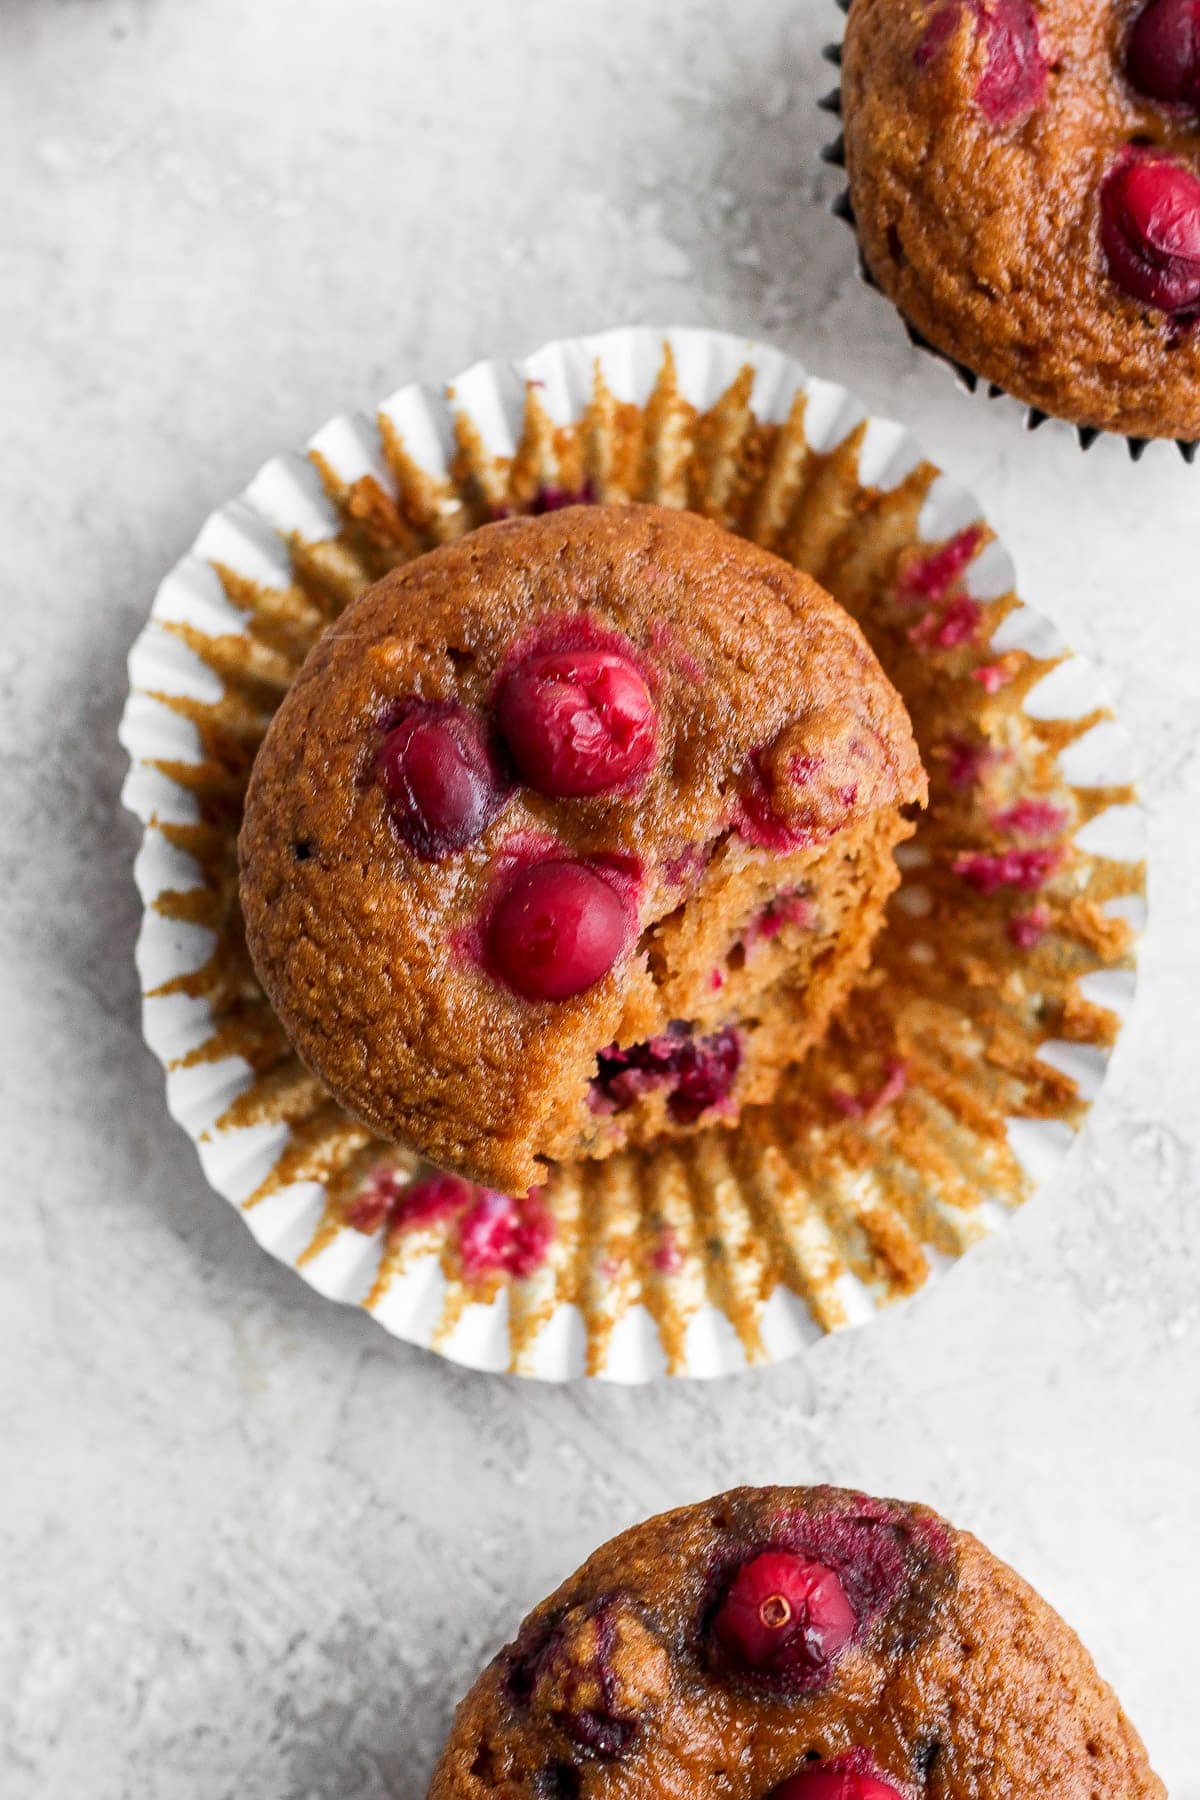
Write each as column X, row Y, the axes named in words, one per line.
column 571, row 834
column 1024, row 180
column 800, row 1643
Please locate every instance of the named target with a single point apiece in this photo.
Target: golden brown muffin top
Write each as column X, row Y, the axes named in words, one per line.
column 749, row 704
column 808, row 1640
column 1027, row 204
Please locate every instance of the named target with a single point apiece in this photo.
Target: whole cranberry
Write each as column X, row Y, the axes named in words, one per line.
column 1150, row 230
column 784, row 1619
column 1163, row 57
column 556, row 931
column 440, row 778
column 836, row 1781
column 577, row 722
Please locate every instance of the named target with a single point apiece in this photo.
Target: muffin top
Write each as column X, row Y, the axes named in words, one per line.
column 1025, row 181
column 803, row 1643
column 556, row 718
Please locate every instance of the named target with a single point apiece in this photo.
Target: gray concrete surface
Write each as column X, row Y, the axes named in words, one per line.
column 248, row 1546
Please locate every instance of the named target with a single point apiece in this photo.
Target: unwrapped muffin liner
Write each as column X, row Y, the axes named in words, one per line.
column 955, row 1077
column 834, row 152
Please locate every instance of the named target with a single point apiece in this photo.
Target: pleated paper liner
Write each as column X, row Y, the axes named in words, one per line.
column 957, row 1074
column 834, row 152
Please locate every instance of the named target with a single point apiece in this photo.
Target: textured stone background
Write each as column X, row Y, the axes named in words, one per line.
column 248, row 1546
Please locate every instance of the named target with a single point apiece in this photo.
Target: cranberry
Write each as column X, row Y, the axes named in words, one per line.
column 991, row 870
column 967, row 763
column 599, row 1732
column 934, row 575
column 1013, row 81
column 1026, row 930
column 501, row 1235
column 800, row 788
column 698, row 1071
column 790, row 908
column 947, row 627
column 783, row 1615
column 439, row 776
column 553, row 499
column 835, row 1781
column 706, row 1074
column 758, row 817
column 1163, row 59
column 556, row 931
column 431, row 1198
column 577, row 722
column 1150, row 230
column 597, row 1675
column 1030, row 818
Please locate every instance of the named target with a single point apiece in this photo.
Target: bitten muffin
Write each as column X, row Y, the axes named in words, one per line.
column 573, row 833
column 1024, row 178
column 798, row 1644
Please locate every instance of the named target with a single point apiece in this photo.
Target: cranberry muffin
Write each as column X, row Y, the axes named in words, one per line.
column 1024, row 179
column 572, row 833
column 797, row 1643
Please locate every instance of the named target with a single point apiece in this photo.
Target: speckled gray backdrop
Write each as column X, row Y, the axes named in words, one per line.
column 248, row 1546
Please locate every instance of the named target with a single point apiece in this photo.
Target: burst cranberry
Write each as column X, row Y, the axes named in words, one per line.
column 501, row 1235
column 759, row 819
column 991, row 870
column 577, row 722
column 440, row 779
column 935, row 575
column 698, row 1071
column 1150, row 229
column 1163, row 59
column 553, row 499
column 557, row 930
column 836, row 1781
column 1013, row 81
column 705, row 1075
column 598, row 1676
column 784, row 1618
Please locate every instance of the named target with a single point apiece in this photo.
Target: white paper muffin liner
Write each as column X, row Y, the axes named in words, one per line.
column 929, row 1115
